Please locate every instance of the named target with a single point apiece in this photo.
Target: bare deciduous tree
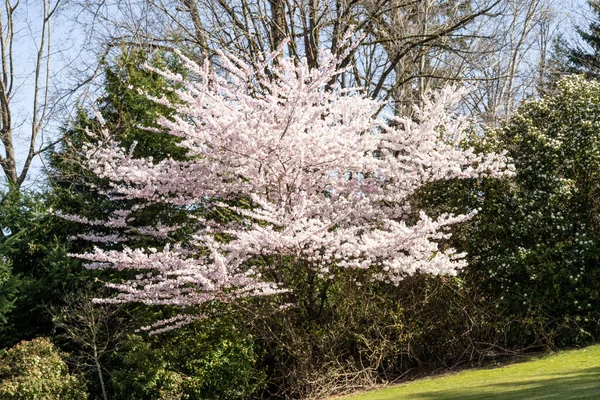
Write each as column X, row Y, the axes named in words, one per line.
column 94, row 329
column 512, row 54
column 15, row 24
column 409, row 47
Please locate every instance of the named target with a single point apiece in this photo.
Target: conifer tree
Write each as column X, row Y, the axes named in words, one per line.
column 584, row 58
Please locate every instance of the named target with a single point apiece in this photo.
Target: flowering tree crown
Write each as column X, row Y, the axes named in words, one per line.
column 323, row 182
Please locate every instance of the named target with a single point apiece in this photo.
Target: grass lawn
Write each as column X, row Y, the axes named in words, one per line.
column 573, row 374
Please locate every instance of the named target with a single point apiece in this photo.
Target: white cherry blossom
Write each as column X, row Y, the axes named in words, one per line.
column 327, row 182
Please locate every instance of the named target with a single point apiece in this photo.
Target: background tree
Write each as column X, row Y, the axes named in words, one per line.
column 409, row 47
column 29, row 93
column 131, row 116
column 91, row 331
column 583, row 57
column 509, row 60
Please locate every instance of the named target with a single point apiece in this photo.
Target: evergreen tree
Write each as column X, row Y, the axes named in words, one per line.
column 129, row 114
column 582, row 58
column 35, row 242
column 33, row 251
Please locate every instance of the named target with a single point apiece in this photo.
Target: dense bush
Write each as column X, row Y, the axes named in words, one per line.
column 542, row 241
column 206, row 360
column 35, row 370
column 370, row 333
column 534, row 247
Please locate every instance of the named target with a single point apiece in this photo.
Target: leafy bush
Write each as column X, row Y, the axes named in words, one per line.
column 206, row 360
column 368, row 333
column 35, row 370
column 543, row 261
column 534, row 247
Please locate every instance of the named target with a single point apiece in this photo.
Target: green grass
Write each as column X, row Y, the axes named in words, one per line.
column 573, row 374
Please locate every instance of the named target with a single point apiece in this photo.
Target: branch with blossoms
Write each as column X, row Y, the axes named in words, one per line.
column 323, row 181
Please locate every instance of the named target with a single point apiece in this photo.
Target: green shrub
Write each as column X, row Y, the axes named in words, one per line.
column 206, row 360
column 35, row 370
column 542, row 263
column 534, row 247
column 373, row 333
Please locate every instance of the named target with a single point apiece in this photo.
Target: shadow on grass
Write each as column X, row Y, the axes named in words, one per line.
column 582, row 384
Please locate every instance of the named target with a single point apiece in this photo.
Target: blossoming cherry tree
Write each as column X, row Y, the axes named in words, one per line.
column 323, row 181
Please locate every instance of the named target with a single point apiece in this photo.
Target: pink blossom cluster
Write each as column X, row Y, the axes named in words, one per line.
column 326, row 182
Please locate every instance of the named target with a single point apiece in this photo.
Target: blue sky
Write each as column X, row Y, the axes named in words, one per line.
column 71, row 54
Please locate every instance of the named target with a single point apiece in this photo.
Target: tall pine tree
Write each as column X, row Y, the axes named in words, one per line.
column 34, row 242
column 583, row 58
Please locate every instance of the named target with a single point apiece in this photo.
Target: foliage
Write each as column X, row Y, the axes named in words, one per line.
column 583, row 60
column 534, row 248
column 34, row 242
column 375, row 334
column 9, row 284
column 205, row 360
column 35, row 370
